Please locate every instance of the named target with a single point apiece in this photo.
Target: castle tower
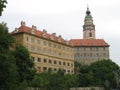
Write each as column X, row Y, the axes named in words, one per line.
column 88, row 27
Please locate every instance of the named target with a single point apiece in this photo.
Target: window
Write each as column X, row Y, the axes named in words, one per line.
column 103, row 48
column 45, row 51
column 44, row 68
column 90, row 34
column 50, row 61
column 97, row 48
column 71, row 65
column 32, row 48
column 55, row 62
column 64, row 48
column 38, row 49
column 97, row 54
column 104, row 54
column 55, row 69
column 39, row 59
column 64, row 63
column 54, row 52
column 68, row 71
column 54, row 46
column 49, row 44
column 49, row 51
column 38, row 41
column 68, row 64
column 84, row 49
column 59, row 47
column 27, row 39
column 59, row 53
column 32, row 40
column 91, row 54
column 59, row 62
column 45, row 60
column 84, row 54
column 44, row 43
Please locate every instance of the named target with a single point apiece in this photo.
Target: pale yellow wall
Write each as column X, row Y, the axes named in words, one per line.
column 49, row 50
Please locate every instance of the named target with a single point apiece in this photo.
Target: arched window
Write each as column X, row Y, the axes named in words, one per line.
column 90, row 34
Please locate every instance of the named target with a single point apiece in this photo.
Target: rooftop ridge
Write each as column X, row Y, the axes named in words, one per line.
column 39, row 33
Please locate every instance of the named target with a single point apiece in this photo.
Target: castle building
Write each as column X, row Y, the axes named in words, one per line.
column 51, row 52
column 48, row 51
column 89, row 49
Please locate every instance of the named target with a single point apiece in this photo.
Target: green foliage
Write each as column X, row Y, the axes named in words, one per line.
column 25, row 65
column 117, row 77
column 8, row 72
column 77, row 67
column 104, row 70
column 2, row 5
column 16, row 69
column 6, row 40
column 54, row 81
column 97, row 73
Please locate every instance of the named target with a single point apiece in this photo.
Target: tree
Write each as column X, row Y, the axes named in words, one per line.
column 2, row 5
column 25, row 65
column 85, row 76
column 77, row 67
column 100, row 73
column 54, row 81
column 104, row 70
column 117, row 77
column 8, row 72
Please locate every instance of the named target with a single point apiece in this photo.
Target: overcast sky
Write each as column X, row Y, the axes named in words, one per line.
column 66, row 18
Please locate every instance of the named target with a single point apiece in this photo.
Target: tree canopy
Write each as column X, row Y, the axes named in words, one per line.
column 16, row 67
column 25, row 65
column 98, row 73
column 2, row 5
column 8, row 71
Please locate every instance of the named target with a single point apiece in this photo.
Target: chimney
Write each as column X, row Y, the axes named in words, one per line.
column 44, row 33
column 59, row 38
column 52, row 36
column 33, row 29
column 16, row 30
column 23, row 23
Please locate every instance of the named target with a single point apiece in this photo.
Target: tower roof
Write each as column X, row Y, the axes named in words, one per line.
column 88, row 11
column 88, row 14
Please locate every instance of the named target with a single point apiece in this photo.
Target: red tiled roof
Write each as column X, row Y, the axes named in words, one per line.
column 88, row 42
column 38, row 33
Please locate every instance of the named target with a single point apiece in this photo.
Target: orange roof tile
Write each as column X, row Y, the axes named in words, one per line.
column 88, row 42
column 38, row 33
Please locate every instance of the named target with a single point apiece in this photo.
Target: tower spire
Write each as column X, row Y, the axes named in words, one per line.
column 88, row 27
column 88, row 11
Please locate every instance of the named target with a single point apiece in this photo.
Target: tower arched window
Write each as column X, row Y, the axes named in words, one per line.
column 90, row 34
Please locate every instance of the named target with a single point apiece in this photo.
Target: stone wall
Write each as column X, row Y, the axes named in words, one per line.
column 87, row 88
